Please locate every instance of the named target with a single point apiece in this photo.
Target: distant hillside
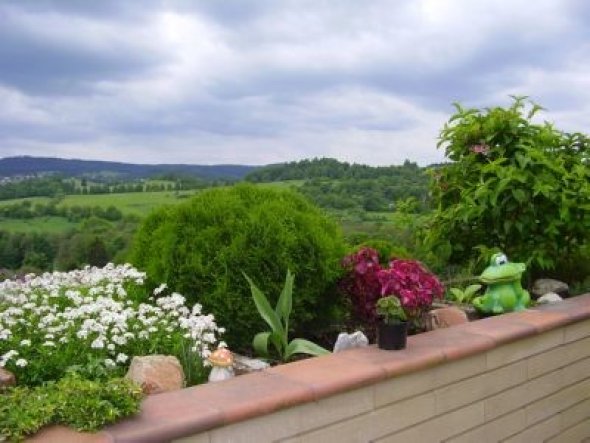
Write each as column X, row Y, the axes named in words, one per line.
column 340, row 185
column 13, row 166
column 327, row 168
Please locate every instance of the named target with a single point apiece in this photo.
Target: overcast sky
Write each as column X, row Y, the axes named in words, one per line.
column 258, row 82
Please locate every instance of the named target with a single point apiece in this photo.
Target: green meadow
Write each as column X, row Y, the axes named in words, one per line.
column 134, row 203
column 131, row 203
column 50, row 225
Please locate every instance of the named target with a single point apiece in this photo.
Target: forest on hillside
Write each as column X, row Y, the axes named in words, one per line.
column 60, row 185
column 332, row 184
column 38, row 166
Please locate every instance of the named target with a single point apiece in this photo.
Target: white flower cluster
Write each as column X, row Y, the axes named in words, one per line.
column 89, row 311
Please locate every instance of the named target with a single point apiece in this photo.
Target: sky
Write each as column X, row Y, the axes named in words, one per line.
column 267, row 81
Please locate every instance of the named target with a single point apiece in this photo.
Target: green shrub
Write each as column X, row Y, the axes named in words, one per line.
column 512, row 184
column 202, row 247
column 73, row 401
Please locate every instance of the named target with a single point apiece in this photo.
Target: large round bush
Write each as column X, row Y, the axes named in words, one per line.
column 202, row 248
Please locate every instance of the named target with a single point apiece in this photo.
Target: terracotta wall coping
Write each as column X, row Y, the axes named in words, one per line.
column 197, row 409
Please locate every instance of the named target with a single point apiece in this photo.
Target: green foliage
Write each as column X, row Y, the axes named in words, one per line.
column 73, row 401
column 94, row 242
column 512, row 184
column 391, row 310
column 407, row 206
column 41, row 186
column 46, row 225
column 24, row 209
column 340, row 185
column 278, row 320
column 201, row 247
column 392, row 234
column 462, row 296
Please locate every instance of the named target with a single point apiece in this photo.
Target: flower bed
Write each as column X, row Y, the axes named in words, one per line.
column 91, row 322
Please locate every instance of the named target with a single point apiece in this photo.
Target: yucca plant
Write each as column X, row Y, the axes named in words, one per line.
column 278, row 320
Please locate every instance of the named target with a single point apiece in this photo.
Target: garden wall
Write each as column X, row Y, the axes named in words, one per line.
column 521, row 377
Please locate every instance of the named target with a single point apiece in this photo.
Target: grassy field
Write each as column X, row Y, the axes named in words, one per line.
column 283, row 184
column 131, row 203
column 136, row 203
column 50, row 225
column 33, row 200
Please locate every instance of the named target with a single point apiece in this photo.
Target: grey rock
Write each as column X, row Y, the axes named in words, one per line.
column 245, row 365
column 221, row 373
column 549, row 298
column 543, row 286
column 349, row 341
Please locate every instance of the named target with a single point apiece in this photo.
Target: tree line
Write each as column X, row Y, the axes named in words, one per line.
column 339, row 185
column 94, row 242
column 27, row 210
column 55, row 186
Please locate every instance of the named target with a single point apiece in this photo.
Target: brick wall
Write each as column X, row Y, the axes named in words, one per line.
column 521, row 377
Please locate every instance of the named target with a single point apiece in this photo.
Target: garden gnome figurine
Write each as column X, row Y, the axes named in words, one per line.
column 222, row 361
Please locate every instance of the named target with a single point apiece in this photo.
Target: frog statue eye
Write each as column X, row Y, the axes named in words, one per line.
column 501, row 259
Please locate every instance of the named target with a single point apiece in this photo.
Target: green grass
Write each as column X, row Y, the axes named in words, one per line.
column 283, row 184
column 50, row 225
column 136, row 203
column 33, row 200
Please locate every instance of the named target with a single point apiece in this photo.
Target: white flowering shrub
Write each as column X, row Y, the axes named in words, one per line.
column 92, row 321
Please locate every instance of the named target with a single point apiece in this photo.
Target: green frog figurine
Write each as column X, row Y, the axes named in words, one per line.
column 504, row 292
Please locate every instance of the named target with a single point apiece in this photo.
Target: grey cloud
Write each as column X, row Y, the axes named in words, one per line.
column 276, row 80
column 39, row 63
column 108, row 9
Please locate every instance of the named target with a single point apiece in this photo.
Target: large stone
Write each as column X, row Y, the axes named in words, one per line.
column 7, row 379
column 349, row 341
column 445, row 317
column 156, row 373
column 543, row 286
column 549, row 298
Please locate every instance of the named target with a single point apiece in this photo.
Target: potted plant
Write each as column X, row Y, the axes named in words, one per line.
column 414, row 286
column 392, row 330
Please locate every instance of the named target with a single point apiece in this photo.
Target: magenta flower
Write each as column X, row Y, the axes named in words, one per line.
column 412, row 284
column 482, row 148
column 361, row 283
column 366, row 282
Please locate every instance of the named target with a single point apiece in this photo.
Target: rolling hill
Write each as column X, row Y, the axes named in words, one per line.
column 25, row 165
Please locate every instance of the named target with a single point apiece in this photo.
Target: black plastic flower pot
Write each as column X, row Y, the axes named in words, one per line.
column 392, row 336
